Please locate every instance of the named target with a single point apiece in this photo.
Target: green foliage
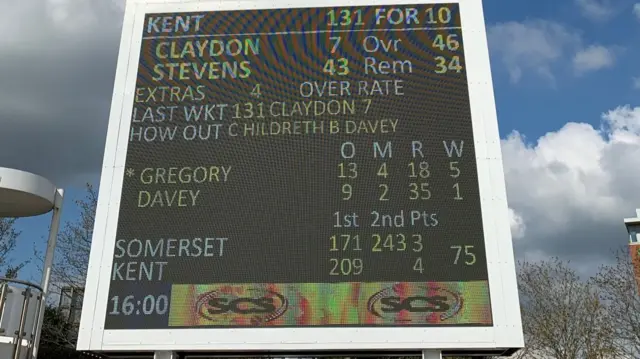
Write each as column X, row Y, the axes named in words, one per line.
column 74, row 243
column 56, row 329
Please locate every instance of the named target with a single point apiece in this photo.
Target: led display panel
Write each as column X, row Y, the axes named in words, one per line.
column 301, row 167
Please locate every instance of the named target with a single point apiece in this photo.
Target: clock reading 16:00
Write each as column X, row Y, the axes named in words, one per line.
column 148, row 305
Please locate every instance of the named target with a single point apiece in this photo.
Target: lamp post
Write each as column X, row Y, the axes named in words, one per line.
column 24, row 194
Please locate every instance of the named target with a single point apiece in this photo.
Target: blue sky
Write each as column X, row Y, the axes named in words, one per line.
column 35, row 231
column 532, row 106
column 554, row 63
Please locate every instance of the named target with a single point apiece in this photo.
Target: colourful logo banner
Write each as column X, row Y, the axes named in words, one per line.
column 331, row 304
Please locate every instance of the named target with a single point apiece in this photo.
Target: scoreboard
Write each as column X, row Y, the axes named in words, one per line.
column 308, row 169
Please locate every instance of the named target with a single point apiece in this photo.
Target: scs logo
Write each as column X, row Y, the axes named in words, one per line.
column 262, row 306
column 387, row 303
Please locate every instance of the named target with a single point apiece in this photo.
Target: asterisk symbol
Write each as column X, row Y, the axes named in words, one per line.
column 130, row 172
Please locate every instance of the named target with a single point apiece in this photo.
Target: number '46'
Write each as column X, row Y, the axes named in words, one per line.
column 451, row 43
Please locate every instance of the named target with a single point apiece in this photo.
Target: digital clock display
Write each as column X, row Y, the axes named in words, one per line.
column 305, row 167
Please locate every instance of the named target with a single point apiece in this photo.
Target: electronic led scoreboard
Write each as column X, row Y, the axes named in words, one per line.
column 286, row 177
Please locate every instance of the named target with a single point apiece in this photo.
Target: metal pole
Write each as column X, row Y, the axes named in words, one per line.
column 431, row 354
column 165, row 355
column 48, row 264
column 3, row 301
column 23, row 318
column 34, row 329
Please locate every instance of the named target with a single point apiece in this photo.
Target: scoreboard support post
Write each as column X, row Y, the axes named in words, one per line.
column 165, row 355
column 431, row 354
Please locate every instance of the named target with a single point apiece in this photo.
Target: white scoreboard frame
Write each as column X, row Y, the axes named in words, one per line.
column 506, row 332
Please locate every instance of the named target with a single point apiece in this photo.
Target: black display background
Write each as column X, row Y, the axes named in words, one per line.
column 277, row 206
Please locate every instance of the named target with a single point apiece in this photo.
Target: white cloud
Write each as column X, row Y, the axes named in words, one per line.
column 73, row 15
column 593, row 58
column 597, row 10
column 569, row 191
column 636, row 10
column 57, row 71
column 533, row 45
column 540, row 47
column 517, row 225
